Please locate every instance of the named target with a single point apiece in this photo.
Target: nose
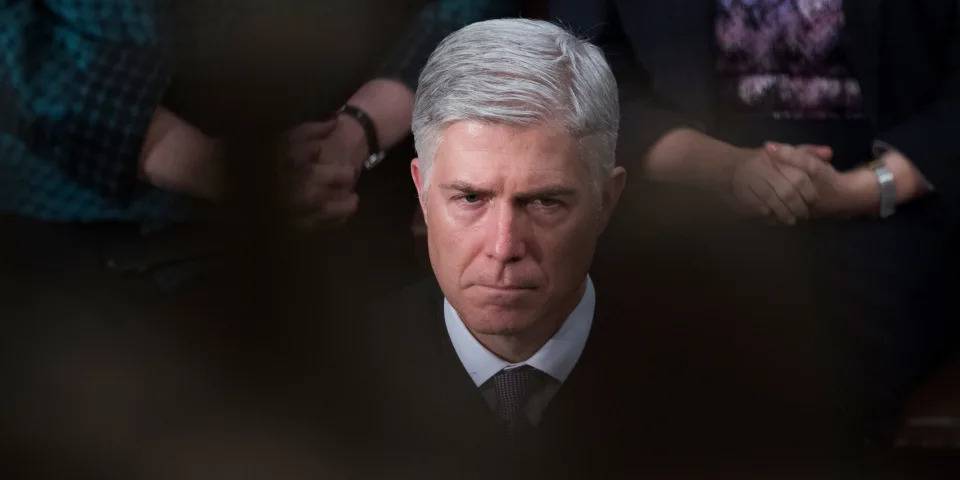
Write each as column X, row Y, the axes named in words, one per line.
column 506, row 242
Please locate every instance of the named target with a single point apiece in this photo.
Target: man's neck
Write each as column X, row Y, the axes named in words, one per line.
column 519, row 347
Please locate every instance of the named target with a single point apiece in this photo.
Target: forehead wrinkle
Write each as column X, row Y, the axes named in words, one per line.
column 481, row 156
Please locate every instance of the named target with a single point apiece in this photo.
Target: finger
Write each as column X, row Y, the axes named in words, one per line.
column 784, row 180
column 795, row 157
column 327, row 183
column 801, row 183
column 769, row 197
column 333, row 175
column 312, row 130
column 748, row 203
column 789, row 196
column 823, row 152
column 305, row 152
column 306, row 190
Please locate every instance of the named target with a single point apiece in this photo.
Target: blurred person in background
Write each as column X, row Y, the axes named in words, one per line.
column 88, row 136
column 120, row 174
column 728, row 94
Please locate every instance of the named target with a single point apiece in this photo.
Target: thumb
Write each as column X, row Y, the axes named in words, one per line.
column 823, row 152
column 797, row 157
column 312, row 130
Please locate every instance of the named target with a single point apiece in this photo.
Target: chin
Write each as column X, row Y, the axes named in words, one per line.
column 499, row 321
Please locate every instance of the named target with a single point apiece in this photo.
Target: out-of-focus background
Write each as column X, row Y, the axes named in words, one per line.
column 187, row 230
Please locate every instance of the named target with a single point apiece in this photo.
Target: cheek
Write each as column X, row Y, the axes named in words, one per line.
column 453, row 245
column 568, row 249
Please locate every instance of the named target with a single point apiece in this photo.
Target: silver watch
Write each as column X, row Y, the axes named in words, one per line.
column 888, row 188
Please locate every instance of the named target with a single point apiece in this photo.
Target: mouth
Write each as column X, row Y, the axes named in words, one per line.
column 508, row 288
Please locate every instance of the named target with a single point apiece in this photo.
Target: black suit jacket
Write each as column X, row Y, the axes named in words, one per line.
column 905, row 53
column 665, row 385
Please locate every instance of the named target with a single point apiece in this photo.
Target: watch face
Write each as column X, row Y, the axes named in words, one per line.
column 374, row 159
column 884, row 176
column 888, row 191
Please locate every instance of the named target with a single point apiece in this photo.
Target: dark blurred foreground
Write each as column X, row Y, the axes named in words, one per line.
column 234, row 373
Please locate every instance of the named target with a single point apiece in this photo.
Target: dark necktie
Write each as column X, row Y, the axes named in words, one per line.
column 513, row 387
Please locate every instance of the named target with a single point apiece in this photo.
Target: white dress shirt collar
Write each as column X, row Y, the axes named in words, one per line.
column 556, row 358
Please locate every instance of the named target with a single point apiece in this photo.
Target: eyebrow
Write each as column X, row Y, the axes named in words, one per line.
column 465, row 187
column 548, row 191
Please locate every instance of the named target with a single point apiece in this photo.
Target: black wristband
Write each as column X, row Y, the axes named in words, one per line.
column 369, row 131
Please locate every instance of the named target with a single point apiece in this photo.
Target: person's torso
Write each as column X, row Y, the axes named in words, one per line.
column 642, row 384
column 799, row 71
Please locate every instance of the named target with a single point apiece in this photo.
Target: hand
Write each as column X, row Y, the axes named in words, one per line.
column 780, row 191
column 321, row 172
column 177, row 156
column 338, row 140
column 840, row 194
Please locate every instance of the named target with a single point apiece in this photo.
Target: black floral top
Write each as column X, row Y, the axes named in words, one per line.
column 782, row 59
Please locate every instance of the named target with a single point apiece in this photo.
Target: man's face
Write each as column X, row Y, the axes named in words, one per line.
column 512, row 218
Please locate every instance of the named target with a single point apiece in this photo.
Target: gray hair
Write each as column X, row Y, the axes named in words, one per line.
column 518, row 72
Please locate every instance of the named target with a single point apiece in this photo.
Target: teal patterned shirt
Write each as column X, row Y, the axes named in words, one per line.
column 79, row 82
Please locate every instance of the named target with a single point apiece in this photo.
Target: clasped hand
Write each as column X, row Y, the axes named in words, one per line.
column 320, row 172
column 787, row 184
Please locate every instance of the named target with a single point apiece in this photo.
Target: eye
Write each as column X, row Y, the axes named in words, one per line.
column 546, row 202
column 468, row 199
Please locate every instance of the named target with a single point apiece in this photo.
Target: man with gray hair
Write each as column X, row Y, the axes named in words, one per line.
column 509, row 358
column 515, row 123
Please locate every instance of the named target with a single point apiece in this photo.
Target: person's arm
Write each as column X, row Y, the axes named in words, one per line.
column 688, row 157
column 80, row 82
column 922, row 152
column 389, row 104
column 179, row 157
column 925, row 151
column 388, row 99
column 852, row 193
column 864, row 191
column 667, row 146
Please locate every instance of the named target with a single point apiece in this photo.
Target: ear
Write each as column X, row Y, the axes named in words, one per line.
column 417, row 180
column 612, row 188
